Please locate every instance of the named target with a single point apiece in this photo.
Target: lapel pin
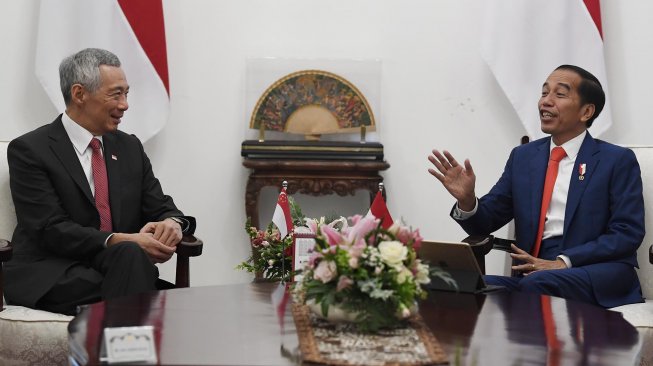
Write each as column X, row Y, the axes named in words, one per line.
column 581, row 171
column 114, row 157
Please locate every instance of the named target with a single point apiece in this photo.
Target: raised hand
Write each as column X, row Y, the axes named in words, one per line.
column 458, row 180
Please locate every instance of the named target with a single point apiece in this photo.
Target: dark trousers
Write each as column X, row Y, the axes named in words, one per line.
column 121, row 269
column 571, row 283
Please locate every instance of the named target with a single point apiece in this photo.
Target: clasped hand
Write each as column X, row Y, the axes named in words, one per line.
column 158, row 239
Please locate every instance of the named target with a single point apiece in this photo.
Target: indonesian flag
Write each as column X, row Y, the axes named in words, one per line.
column 281, row 217
column 380, row 211
column 133, row 30
column 525, row 40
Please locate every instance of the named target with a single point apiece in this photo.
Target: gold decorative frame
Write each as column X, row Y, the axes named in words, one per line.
column 312, row 102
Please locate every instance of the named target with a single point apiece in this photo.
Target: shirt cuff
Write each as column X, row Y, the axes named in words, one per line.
column 566, row 260
column 106, row 241
column 182, row 222
column 459, row 214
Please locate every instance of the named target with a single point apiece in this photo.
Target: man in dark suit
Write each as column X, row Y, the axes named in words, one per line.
column 595, row 220
column 92, row 217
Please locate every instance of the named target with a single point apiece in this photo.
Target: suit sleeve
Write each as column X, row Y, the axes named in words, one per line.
column 495, row 209
column 624, row 231
column 39, row 209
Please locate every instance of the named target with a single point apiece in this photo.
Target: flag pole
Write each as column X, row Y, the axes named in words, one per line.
column 284, row 186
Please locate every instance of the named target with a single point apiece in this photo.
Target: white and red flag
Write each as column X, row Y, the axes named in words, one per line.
column 523, row 41
column 133, row 30
column 281, row 217
column 380, row 210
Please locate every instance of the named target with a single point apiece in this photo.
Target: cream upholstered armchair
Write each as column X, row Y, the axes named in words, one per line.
column 35, row 337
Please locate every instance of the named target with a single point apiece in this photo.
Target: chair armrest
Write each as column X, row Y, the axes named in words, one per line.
column 5, row 250
column 190, row 246
column 5, row 255
column 482, row 244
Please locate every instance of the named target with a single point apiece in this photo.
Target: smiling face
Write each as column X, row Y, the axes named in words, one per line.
column 562, row 113
column 100, row 111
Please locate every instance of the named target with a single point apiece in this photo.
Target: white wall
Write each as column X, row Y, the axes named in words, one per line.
column 436, row 93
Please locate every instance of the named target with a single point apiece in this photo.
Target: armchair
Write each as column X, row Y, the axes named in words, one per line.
column 39, row 337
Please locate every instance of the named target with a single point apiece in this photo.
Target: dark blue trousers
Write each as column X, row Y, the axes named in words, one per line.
column 571, row 283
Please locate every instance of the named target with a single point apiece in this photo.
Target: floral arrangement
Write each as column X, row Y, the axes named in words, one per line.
column 366, row 270
column 272, row 255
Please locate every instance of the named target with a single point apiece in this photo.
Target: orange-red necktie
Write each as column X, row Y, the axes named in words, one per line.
column 557, row 154
column 101, row 183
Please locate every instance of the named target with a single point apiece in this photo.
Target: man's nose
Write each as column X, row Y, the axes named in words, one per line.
column 123, row 105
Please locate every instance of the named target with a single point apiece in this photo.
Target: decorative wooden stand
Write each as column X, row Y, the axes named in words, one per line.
column 312, row 177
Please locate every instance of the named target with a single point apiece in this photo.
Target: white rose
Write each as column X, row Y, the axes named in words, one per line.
column 325, row 271
column 422, row 275
column 403, row 275
column 393, row 253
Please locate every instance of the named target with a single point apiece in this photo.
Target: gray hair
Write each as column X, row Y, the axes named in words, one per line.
column 83, row 68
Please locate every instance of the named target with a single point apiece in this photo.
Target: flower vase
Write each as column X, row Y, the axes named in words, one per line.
column 335, row 313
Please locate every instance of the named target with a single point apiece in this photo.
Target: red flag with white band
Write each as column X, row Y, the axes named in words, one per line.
column 281, row 217
column 133, row 30
column 524, row 41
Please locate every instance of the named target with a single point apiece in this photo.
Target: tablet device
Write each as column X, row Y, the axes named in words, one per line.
column 459, row 261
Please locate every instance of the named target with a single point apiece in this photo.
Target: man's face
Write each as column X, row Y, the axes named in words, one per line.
column 104, row 107
column 561, row 113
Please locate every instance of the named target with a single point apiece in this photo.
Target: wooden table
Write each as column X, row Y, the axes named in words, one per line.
column 311, row 177
column 236, row 325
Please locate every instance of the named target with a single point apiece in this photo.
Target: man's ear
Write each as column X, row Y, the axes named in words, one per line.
column 77, row 93
column 587, row 112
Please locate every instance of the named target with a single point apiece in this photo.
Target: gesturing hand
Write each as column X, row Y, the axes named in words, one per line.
column 458, row 180
column 532, row 264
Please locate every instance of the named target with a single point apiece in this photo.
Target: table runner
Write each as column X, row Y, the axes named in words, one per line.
column 340, row 344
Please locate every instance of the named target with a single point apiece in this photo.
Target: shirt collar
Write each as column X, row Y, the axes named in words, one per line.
column 572, row 147
column 79, row 136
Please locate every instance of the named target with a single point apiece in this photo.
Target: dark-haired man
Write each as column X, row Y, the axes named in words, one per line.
column 92, row 217
column 579, row 218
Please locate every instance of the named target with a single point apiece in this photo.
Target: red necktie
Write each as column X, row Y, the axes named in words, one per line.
column 557, row 154
column 101, row 183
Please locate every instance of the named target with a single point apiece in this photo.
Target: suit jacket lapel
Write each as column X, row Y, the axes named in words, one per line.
column 63, row 148
column 538, row 166
column 111, row 154
column 589, row 155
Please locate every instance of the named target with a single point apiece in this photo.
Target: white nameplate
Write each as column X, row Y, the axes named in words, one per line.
column 130, row 344
column 304, row 243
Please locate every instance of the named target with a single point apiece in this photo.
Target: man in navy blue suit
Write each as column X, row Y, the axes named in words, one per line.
column 595, row 220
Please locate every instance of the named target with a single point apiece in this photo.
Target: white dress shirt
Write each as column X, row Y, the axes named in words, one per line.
column 81, row 138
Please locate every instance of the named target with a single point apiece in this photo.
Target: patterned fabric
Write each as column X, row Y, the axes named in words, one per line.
column 33, row 337
column 340, row 344
column 101, row 183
